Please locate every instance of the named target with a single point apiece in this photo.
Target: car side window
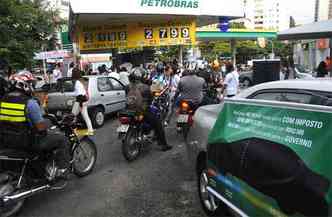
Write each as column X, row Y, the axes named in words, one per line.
column 103, row 84
column 302, row 98
column 116, row 85
column 270, row 96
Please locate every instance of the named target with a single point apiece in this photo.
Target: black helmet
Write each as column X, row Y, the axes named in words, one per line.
column 136, row 75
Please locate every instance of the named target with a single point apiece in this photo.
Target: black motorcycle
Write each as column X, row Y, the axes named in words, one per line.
column 24, row 174
column 134, row 132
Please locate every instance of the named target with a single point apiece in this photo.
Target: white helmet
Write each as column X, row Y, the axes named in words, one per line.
column 23, row 81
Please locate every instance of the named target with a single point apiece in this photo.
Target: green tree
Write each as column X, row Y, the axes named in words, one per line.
column 213, row 49
column 25, row 25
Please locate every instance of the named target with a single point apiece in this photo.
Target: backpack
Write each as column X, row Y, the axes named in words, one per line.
column 135, row 99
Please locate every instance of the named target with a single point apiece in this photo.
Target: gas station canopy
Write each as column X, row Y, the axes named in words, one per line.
column 127, row 11
column 318, row 30
column 104, row 24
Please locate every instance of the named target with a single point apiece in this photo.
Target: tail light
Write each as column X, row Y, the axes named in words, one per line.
column 45, row 101
column 140, row 118
column 185, row 106
column 124, row 120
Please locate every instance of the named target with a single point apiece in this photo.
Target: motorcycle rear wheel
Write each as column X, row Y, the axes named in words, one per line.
column 130, row 147
column 85, row 157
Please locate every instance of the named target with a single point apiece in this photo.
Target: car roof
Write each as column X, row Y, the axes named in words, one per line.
column 95, row 76
column 324, row 85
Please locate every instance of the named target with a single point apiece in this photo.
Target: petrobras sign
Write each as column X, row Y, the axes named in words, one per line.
column 218, row 8
column 171, row 3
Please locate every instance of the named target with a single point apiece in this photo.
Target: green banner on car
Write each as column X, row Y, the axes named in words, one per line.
column 301, row 134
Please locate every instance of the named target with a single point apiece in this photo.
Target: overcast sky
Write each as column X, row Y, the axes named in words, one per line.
column 302, row 10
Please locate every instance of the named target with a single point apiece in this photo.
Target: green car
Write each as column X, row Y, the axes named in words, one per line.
column 265, row 157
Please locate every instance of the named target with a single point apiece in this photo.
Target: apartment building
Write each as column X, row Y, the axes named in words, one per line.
column 267, row 14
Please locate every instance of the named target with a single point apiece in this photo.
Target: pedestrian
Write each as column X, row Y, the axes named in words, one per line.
column 328, row 64
column 82, row 98
column 114, row 74
column 70, row 70
column 57, row 74
column 173, row 79
column 231, row 82
column 285, row 71
column 321, row 70
column 124, row 76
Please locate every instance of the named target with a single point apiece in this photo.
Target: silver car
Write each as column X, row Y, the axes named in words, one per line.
column 106, row 95
column 298, row 93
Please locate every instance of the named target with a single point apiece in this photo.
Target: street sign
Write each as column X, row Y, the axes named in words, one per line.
column 174, row 32
column 56, row 54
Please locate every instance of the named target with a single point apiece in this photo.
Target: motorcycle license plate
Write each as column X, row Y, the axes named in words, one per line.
column 182, row 119
column 59, row 113
column 123, row 129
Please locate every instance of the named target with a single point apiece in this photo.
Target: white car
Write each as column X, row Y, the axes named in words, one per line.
column 106, row 95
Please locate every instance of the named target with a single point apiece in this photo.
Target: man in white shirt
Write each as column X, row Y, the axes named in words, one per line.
column 124, row 76
column 70, row 70
column 231, row 82
column 57, row 74
column 115, row 75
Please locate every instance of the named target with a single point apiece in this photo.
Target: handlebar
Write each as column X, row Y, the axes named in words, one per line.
column 52, row 118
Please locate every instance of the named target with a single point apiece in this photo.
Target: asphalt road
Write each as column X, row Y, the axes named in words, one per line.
column 157, row 184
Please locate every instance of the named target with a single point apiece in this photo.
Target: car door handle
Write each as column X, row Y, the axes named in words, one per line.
column 102, row 95
column 118, row 94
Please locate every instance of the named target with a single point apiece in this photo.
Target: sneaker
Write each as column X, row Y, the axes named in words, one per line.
column 167, row 148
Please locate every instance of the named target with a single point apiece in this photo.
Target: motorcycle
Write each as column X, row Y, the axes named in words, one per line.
column 25, row 174
column 185, row 117
column 134, row 132
column 211, row 95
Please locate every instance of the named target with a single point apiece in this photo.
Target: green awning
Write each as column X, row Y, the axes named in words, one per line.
column 214, row 35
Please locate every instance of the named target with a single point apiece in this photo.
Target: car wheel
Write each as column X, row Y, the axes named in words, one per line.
column 210, row 204
column 98, row 117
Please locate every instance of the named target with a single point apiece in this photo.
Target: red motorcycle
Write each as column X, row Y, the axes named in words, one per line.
column 185, row 117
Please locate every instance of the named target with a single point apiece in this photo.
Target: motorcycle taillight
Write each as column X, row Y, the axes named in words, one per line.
column 185, row 106
column 124, row 120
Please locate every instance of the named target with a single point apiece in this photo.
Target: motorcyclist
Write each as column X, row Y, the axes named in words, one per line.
column 159, row 81
column 23, row 127
column 190, row 88
column 139, row 98
column 203, row 72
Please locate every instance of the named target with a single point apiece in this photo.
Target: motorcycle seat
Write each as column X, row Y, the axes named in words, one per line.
column 16, row 154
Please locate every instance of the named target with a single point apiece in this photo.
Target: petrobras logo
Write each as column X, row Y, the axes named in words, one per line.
column 170, row 3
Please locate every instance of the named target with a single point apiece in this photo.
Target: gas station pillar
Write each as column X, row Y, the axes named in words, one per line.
column 233, row 49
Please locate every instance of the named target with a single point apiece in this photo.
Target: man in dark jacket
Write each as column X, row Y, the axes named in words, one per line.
column 321, row 70
column 139, row 99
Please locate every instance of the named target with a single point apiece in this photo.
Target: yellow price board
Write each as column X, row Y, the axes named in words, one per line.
column 102, row 37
